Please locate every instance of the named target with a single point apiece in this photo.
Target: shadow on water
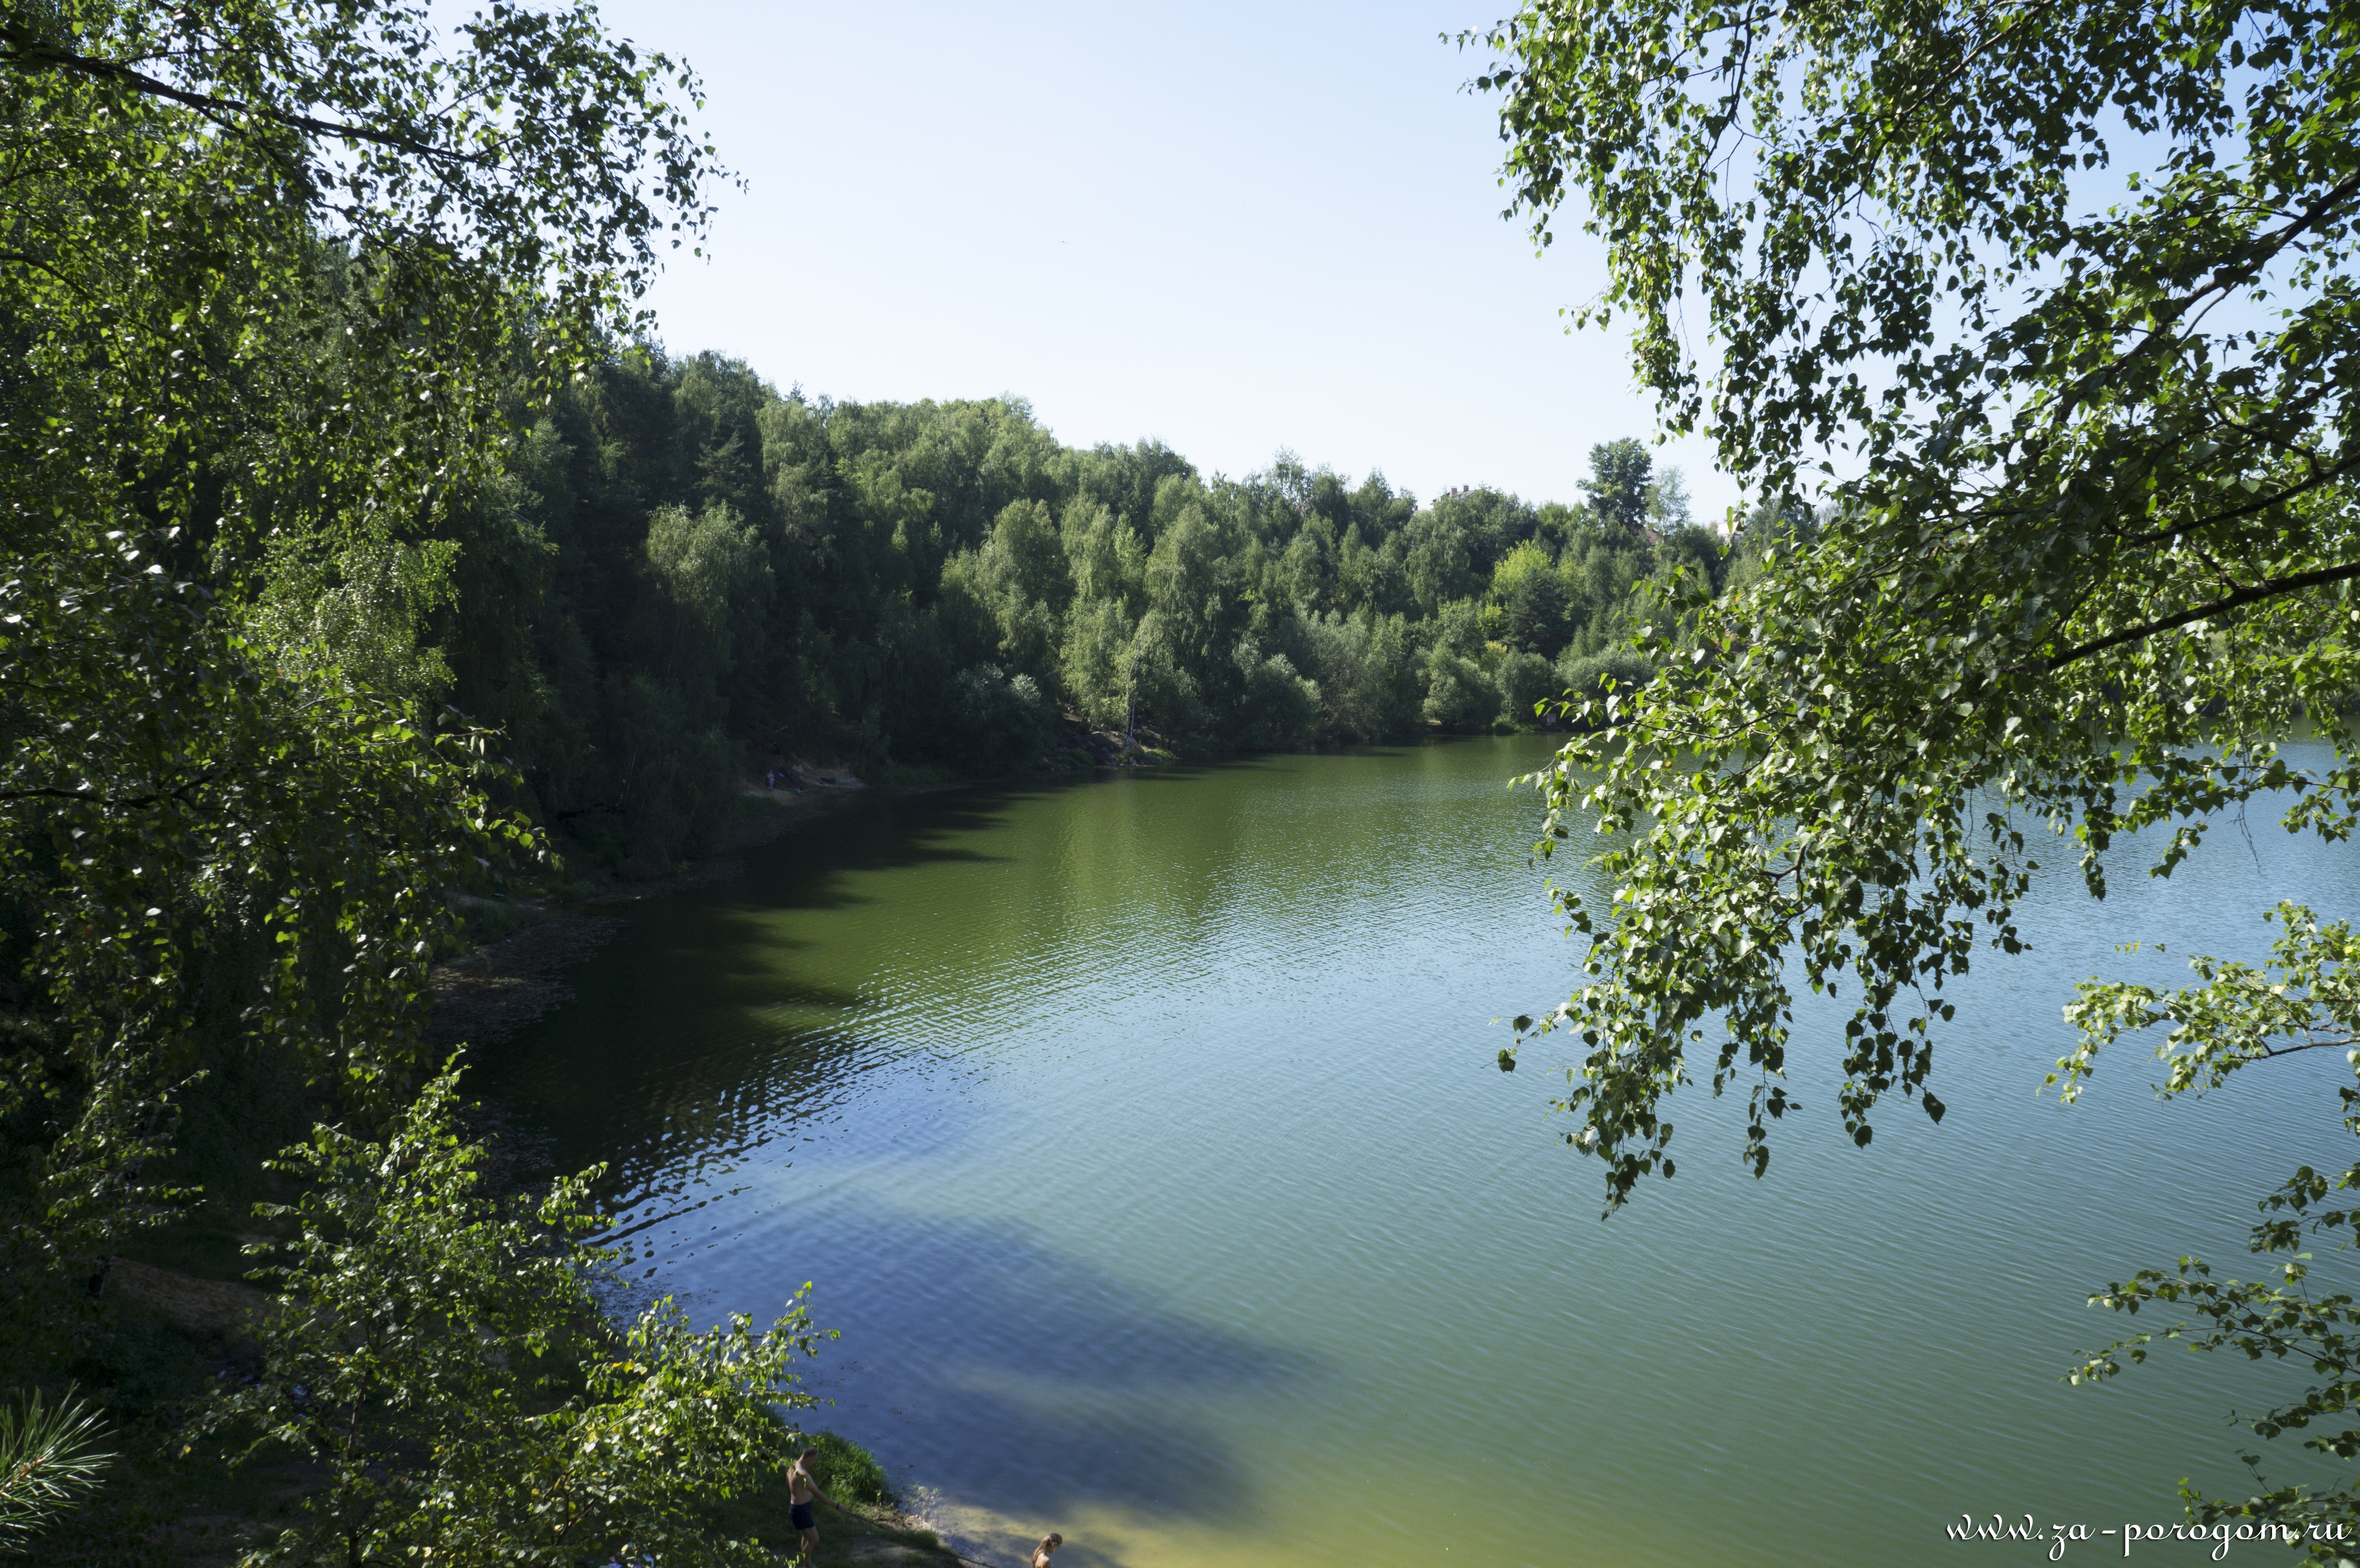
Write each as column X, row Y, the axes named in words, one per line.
column 709, row 1044
column 703, row 1020
column 995, row 1368
column 697, row 1003
column 800, row 1073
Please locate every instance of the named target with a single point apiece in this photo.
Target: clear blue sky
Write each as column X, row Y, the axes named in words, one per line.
column 1232, row 228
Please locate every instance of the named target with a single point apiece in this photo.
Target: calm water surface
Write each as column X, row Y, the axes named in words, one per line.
column 1144, row 1140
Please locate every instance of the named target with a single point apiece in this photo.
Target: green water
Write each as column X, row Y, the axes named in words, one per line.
column 1144, row 1137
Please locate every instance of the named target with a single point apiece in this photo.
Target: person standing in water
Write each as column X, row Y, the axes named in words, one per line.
column 1049, row 1543
column 800, row 1489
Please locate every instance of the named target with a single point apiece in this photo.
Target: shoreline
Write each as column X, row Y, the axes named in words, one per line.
column 495, row 989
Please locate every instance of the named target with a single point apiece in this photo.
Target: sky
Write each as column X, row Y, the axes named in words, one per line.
column 1230, row 228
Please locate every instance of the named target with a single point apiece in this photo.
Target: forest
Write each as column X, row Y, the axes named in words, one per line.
column 682, row 577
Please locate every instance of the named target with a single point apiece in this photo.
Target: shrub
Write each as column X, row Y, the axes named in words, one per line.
column 849, row 1473
column 997, row 722
column 1459, row 695
column 1281, row 709
column 1526, row 679
column 437, row 1360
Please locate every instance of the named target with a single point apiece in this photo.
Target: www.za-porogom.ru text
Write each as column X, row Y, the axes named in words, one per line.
column 2220, row 1537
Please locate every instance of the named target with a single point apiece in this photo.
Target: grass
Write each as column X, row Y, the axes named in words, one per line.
column 867, row 1528
column 850, row 1472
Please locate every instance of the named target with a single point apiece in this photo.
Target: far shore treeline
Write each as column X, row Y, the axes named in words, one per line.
column 684, row 576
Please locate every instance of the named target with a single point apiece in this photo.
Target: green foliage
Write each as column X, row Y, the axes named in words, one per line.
column 703, row 570
column 1004, row 722
column 2094, row 546
column 1097, row 661
column 1600, row 674
column 1699, row 552
column 362, row 616
column 280, row 280
column 2306, row 998
column 1367, row 670
column 1458, row 694
column 1537, row 614
column 1527, row 681
column 1620, row 485
column 849, row 1473
column 271, row 272
column 1519, row 563
column 1668, row 503
column 327, row 405
column 878, row 554
column 1020, row 572
column 49, row 1460
column 1279, row 708
column 437, row 1354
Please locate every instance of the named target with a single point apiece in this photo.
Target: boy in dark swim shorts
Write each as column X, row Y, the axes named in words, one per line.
column 800, row 1489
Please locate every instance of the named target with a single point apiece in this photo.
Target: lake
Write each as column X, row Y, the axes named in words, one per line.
column 1144, row 1137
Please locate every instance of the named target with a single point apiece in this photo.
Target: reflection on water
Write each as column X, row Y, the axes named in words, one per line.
column 1142, row 1138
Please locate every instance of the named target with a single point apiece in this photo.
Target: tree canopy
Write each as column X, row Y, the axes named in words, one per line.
column 277, row 277
column 2055, row 304
column 266, row 266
